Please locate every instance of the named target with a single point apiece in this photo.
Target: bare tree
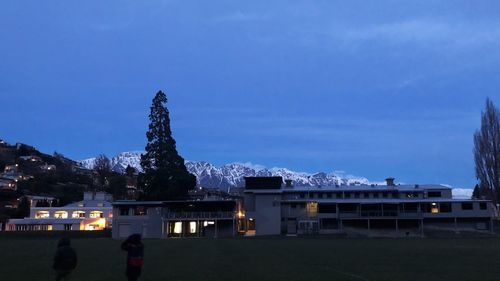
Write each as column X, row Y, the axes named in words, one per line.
column 103, row 168
column 487, row 151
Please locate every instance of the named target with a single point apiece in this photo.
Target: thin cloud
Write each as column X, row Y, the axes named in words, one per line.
column 240, row 16
column 425, row 32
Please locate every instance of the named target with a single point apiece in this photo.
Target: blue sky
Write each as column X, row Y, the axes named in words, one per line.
column 373, row 88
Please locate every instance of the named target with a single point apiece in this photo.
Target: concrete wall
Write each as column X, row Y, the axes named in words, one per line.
column 149, row 226
column 267, row 214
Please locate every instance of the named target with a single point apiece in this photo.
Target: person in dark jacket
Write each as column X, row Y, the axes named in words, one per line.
column 65, row 259
column 135, row 256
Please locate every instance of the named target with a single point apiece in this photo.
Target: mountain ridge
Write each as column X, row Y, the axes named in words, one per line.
column 232, row 175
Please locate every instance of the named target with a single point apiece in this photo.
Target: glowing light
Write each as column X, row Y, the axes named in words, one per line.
column 240, row 214
column 207, row 223
column 178, row 227
column 192, row 227
column 434, row 208
column 42, row 215
column 78, row 214
column 61, row 215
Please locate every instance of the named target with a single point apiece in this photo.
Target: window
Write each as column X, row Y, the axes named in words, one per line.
column 96, row 214
column 302, row 195
column 327, row 208
column 178, row 227
column 320, row 195
column 366, row 195
column 67, row 227
column 445, row 207
column 434, row 194
column 384, row 195
column 483, row 206
column 42, row 215
column 192, row 227
column 329, row 195
column 347, row 195
column 61, row 215
column 356, row 195
column 375, row 195
column 123, row 211
column 78, row 214
column 142, row 211
column 293, row 205
column 338, row 195
column 467, row 206
column 434, row 208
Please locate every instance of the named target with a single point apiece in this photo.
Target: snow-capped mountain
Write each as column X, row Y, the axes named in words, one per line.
column 118, row 163
column 231, row 175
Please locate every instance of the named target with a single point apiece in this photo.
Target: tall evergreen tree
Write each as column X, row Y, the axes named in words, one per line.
column 165, row 175
column 487, row 151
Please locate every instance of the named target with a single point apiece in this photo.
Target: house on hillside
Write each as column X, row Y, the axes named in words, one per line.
column 11, row 169
column 94, row 212
column 8, row 183
column 48, row 168
column 31, row 158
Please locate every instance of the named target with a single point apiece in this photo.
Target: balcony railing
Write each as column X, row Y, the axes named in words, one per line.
column 200, row 215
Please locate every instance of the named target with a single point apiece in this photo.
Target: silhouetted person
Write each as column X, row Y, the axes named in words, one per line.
column 65, row 259
column 135, row 256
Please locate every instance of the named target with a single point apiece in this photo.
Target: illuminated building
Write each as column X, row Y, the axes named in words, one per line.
column 94, row 212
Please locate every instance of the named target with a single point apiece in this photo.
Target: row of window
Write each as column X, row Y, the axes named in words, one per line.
column 406, row 207
column 65, row 215
column 348, row 195
column 133, row 211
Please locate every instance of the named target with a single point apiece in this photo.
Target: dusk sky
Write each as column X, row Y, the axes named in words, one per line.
column 372, row 88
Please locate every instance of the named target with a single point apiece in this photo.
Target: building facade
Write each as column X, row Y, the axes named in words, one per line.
column 171, row 219
column 94, row 212
column 275, row 209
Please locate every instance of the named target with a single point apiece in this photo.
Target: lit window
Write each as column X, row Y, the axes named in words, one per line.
column 96, row 214
column 434, row 208
column 178, row 227
column 207, row 223
column 192, row 227
column 78, row 214
column 61, row 215
column 42, row 215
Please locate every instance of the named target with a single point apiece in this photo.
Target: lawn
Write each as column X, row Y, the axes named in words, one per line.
column 264, row 259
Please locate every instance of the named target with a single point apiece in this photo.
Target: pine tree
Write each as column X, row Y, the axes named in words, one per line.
column 487, row 151
column 165, row 176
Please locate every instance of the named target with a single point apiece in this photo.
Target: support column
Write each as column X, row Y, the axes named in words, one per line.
column 455, row 224
column 422, row 227
column 397, row 226
column 491, row 226
column 216, row 228
column 368, row 224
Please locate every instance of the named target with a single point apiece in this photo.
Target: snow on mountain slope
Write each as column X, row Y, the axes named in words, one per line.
column 232, row 175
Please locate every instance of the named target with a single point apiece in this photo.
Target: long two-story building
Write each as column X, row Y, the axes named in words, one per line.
column 274, row 208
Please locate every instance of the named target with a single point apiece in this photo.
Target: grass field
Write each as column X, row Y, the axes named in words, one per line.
column 260, row 259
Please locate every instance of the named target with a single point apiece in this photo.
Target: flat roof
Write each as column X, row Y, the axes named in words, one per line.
column 364, row 187
column 383, row 200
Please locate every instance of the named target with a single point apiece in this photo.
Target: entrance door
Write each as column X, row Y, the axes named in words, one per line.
column 291, row 226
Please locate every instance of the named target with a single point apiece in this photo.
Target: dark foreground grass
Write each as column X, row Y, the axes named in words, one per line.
column 273, row 259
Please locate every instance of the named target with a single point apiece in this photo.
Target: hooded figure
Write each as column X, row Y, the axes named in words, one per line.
column 65, row 259
column 135, row 255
